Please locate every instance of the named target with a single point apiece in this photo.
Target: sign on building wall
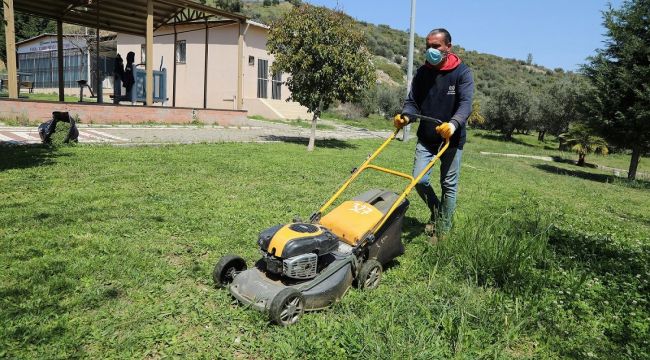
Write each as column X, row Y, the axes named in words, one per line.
column 46, row 44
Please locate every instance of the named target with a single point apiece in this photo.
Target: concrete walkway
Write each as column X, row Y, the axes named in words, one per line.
column 614, row 171
column 253, row 131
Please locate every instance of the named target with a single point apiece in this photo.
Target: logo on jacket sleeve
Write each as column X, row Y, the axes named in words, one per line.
column 452, row 90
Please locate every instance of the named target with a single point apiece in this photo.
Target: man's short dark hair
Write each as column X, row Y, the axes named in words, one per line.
column 441, row 31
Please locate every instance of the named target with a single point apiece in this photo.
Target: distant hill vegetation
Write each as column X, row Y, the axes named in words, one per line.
column 390, row 46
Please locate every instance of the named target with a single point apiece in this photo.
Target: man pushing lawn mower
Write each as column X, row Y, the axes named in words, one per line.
column 442, row 88
column 309, row 265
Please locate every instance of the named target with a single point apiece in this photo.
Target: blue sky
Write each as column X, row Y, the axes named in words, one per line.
column 559, row 33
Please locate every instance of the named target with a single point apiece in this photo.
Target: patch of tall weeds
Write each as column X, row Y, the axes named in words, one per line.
column 501, row 249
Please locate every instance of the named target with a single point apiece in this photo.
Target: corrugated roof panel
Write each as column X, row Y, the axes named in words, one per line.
column 115, row 15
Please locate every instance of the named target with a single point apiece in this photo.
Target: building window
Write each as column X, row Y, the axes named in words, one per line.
column 41, row 68
column 262, row 78
column 143, row 54
column 251, row 60
column 180, row 51
column 276, row 86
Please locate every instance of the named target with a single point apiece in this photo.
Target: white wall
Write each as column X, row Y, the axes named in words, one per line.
column 255, row 45
column 222, row 62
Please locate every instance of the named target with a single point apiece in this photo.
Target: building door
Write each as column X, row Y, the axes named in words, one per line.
column 276, row 87
column 262, row 78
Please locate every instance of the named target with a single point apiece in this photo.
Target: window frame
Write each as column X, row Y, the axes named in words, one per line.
column 177, row 54
column 262, row 78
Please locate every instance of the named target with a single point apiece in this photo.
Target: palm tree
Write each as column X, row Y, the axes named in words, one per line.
column 581, row 139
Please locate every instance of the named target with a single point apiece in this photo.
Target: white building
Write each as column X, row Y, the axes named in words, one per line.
column 192, row 82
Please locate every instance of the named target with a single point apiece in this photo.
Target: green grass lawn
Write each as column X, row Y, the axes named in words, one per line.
column 529, row 145
column 108, row 252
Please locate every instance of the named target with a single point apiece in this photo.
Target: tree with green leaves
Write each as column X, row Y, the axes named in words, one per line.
column 618, row 104
column 558, row 106
column 27, row 26
column 229, row 5
column 508, row 111
column 581, row 139
column 326, row 58
column 475, row 117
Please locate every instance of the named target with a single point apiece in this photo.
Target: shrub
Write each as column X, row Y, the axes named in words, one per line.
column 389, row 100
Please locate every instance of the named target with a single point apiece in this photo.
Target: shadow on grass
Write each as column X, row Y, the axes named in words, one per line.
column 327, row 143
column 5, row 95
column 603, row 178
column 411, row 229
column 26, row 156
column 562, row 160
column 36, row 297
column 37, row 302
column 499, row 137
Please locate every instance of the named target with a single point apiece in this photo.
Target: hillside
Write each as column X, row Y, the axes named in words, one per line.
column 391, row 48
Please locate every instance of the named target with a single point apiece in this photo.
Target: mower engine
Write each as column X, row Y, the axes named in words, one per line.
column 293, row 250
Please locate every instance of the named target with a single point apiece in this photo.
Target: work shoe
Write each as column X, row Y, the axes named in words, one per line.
column 433, row 240
column 430, row 229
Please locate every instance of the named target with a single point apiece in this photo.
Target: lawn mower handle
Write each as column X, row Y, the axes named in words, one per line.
column 315, row 217
column 424, row 118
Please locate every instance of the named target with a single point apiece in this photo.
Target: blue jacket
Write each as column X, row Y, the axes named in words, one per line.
column 441, row 94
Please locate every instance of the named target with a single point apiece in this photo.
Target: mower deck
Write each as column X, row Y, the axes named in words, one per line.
column 256, row 288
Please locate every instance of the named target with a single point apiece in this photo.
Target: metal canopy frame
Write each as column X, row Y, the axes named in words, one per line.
column 135, row 17
column 121, row 16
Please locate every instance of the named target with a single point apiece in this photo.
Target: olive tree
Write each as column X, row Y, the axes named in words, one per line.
column 509, row 110
column 558, row 106
column 326, row 58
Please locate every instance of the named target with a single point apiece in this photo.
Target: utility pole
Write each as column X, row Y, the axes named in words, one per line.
column 409, row 71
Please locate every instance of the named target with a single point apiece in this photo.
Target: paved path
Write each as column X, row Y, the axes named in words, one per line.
column 545, row 158
column 254, row 131
column 614, row 171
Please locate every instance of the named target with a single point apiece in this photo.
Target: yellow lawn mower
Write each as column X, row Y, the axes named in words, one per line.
column 310, row 265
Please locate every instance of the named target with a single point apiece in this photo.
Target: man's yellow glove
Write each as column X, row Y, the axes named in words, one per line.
column 400, row 121
column 446, row 130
